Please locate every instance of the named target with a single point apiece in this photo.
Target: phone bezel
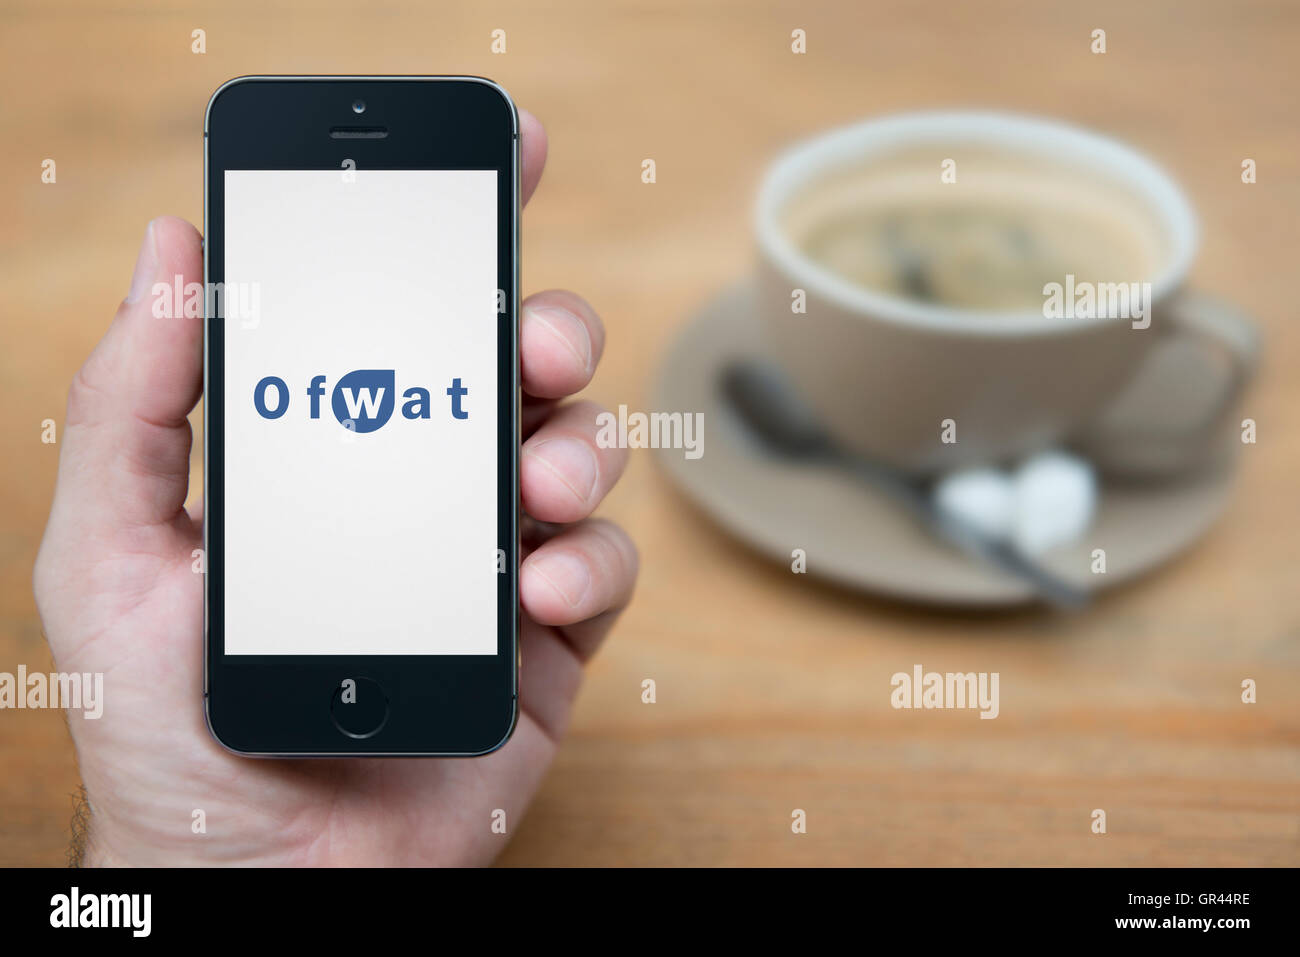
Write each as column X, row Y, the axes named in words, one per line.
column 439, row 705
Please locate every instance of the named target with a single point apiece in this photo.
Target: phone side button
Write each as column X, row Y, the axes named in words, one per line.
column 359, row 707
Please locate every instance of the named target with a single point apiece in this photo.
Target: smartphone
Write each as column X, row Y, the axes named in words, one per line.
column 361, row 416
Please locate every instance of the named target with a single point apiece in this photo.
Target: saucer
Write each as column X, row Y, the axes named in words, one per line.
column 854, row 534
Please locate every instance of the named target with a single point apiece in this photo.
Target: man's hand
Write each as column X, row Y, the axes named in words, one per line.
column 117, row 595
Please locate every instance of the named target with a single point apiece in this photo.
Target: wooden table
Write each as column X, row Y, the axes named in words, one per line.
column 772, row 689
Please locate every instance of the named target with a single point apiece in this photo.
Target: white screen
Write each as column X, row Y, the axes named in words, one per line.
column 370, row 540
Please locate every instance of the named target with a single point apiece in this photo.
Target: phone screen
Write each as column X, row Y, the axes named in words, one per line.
column 360, row 406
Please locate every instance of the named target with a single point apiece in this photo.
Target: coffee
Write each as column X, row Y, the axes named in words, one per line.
column 921, row 337
column 989, row 241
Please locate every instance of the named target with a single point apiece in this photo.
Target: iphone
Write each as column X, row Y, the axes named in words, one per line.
column 361, row 423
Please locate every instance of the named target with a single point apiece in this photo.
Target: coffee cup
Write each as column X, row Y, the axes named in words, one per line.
column 949, row 289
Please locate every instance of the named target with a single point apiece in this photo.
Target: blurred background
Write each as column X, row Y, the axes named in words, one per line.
column 772, row 688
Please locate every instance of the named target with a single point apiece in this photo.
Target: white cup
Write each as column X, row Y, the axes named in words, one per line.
column 886, row 373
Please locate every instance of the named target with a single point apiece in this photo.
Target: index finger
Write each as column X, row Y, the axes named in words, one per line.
column 532, row 146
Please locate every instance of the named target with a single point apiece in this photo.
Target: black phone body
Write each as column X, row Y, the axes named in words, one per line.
column 361, row 416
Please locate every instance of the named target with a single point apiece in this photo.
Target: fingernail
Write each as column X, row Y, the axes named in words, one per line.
column 572, row 461
column 566, row 573
column 146, row 267
column 570, row 330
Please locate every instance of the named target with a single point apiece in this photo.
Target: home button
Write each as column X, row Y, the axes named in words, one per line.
column 359, row 707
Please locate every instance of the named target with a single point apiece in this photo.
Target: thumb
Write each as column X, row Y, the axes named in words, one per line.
column 125, row 456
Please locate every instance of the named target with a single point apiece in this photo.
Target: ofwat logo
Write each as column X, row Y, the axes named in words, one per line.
column 362, row 401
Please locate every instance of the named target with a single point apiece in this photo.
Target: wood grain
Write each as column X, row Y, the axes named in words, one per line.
column 772, row 689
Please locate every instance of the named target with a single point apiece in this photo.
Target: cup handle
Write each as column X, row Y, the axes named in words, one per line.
column 1135, row 450
column 1220, row 325
column 1212, row 324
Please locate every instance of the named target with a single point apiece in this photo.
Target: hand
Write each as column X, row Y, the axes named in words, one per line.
column 117, row 595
